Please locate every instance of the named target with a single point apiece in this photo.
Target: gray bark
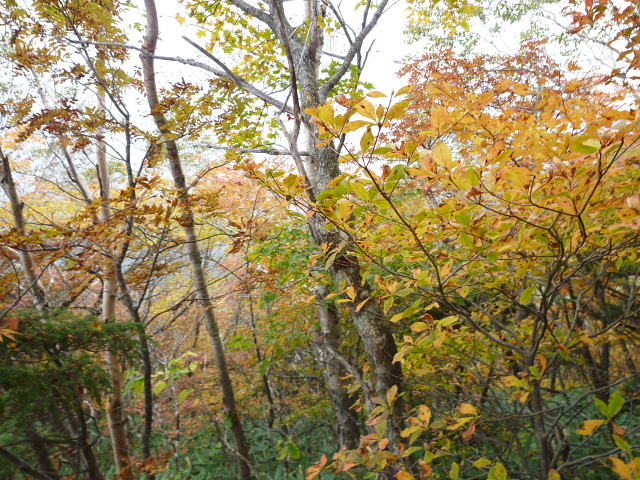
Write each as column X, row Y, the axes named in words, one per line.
column 20, row 224
column 346, row 418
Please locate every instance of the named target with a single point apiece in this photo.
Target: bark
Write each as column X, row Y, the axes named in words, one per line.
column 24, row 467
column 303, row 58
column 346, row 418
column 146, row 361
column 80, row 425
column 41, row 451
column 115, row 406
column 192, row 246
column 19, row 222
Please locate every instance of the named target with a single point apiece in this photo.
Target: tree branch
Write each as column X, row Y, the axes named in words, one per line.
column 264, row 151
column 241, row 82
column 23, row 467
column 355, row 46
column 255, row 12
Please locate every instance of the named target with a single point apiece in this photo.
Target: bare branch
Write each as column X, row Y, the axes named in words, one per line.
column 241, row 82
column 255, row 12
column 353, row 50
column 264, row 151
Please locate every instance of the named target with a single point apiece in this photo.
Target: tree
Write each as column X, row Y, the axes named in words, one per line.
column 514, row 242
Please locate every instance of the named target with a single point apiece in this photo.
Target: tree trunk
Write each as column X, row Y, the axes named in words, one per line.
column 192, row 246
column 115, row 407
column 303, row 56
column 26, row 259
column 346, row 418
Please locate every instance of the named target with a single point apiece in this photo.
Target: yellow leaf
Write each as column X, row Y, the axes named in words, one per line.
column 404, row 476
column 351, row 292
column 461, row 421
column 554, row 475
column 572, row 86
column 467, row 409
column 419, row 327
column 404, row 90
column 589, row 426
column 424, row 414
column 426, row 160
column 625, row 470
column 442, row 154
column 438, row 116
column 455, row 471
column 409, row 430
column 361, row 304
column 446, row 269
column 391, row 394
column 366, row 109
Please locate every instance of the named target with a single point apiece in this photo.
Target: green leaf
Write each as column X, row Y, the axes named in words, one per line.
column 603, row 407
column 464, row 219
column 584, row 144
column 622, row 444
column 410, row 450
column 445, row 322
column 398, row 172
column 359, row 190
column 615, row 404
column 355, row 125
column 483, row 462
column 159, row 387
column 366, row 141
column 455, row 471
column 184, row 394
column 525, row 296
column 497, row 472
column 473, row 177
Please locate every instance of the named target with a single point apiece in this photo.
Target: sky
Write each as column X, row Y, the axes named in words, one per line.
column 388, row 49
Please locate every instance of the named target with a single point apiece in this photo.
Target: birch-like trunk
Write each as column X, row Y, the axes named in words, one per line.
column 115, row 406
column 20, row 224
column 346, row 418
column 191, row 244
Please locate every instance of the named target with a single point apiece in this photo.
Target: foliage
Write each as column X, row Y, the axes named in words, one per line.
column 491, row 209
column 49, row 367
column 514, row 256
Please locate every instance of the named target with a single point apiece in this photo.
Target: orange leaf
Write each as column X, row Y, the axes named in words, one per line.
column 468, row 433
column 404, row 476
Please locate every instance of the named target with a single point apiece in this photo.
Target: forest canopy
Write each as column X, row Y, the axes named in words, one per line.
column 252, row 261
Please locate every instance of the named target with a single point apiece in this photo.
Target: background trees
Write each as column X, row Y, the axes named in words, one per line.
column 436, row 283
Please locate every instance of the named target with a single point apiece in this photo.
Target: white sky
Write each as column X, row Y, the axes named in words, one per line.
column 389, row 46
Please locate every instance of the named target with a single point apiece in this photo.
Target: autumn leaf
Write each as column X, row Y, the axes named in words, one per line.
column 404, row 476
column 468, row 433
column 467, row 409
column 588, row 427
